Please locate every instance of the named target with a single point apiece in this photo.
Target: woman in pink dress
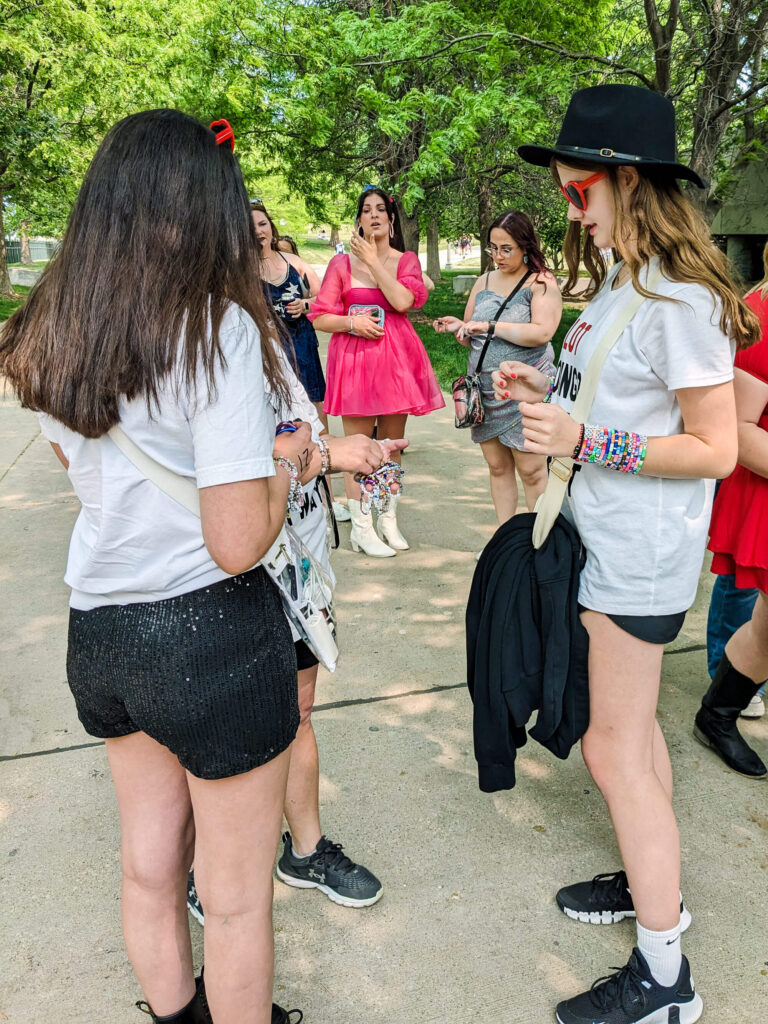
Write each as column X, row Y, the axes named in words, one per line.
column 378, row 371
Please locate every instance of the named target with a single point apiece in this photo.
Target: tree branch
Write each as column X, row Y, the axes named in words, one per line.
column 739, row 99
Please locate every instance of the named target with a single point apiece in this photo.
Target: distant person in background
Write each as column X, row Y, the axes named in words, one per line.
column 378, row 370
column 286, row 244
column 292, row 283
column 522, row 332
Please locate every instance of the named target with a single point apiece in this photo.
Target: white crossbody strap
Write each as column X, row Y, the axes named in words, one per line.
column 181, row 488
column 561, row 469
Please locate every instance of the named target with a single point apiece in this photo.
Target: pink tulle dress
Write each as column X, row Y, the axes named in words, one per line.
column 376, row 377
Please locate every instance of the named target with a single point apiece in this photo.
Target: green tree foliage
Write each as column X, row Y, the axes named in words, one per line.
column 68, row 70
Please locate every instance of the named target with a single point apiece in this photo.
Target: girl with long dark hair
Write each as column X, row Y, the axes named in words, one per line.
column 522, row 331
column 152, row 318
column 292, row 283
column 663, row 428
column 378, row 371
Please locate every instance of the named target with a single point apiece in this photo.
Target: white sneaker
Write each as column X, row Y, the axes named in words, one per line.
column 341, row 512
column 755, row 708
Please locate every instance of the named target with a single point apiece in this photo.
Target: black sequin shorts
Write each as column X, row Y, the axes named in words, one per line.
column 210, row 674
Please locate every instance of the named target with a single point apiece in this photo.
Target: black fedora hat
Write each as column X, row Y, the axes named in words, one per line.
column 616, row 124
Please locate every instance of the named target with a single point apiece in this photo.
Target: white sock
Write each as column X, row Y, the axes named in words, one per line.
column 662, row 953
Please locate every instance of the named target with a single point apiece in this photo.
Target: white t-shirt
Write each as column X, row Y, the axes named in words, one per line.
column 311, row 523
column 132, row 542
column 644, row 535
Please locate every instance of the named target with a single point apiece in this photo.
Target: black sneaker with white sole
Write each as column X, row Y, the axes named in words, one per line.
column 633, row 996
column 194, row 906
column 604, row 900
column 332, row 872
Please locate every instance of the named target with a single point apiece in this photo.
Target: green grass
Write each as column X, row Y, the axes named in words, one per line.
column 448, row 357
column 8, row 306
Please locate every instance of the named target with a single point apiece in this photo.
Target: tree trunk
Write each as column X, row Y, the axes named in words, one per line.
column 334, row 237
column 6, row 289
column 26, row 255
column 433, row 249
column 485, row 219
column 409, row 225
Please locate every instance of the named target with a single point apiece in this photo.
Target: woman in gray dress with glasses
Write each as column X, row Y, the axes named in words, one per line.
column 522, row 330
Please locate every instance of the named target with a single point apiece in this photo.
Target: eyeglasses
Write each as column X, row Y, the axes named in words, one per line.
column 503, row 250
column 575, row 191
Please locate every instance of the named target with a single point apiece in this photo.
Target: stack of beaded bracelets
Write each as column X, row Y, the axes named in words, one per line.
column 615, row 449
column 296, row 491
column 325, row 456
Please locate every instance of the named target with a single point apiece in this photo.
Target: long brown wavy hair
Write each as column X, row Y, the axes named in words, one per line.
column 159, row 244
column 661, row 222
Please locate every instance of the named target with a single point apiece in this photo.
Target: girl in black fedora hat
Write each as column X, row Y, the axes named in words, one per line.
column 663, row 419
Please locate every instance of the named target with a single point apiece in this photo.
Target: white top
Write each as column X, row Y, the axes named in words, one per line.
column 644, row 535
column 131, row 541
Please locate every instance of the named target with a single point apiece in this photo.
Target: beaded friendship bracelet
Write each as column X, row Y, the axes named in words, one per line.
column 550, row 390
column 376, row 487
column 325, row 456
column 621, row 450
column 296, row 491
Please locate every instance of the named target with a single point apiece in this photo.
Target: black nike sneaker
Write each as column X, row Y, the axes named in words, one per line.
column 633, row 996
column 194, row 906
column 332, row 872
column 604, row 900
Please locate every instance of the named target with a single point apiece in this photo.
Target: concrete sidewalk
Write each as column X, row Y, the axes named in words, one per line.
column 468, row 930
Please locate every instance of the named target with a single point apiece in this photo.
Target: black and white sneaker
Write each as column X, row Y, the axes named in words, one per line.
column 633, row 996
column 604, row 900
column 194, row 906
column 332, row 872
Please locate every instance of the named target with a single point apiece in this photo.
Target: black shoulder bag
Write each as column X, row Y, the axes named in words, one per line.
column 467, row 393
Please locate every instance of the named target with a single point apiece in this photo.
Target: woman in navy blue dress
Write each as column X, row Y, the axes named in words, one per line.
column 292, row 286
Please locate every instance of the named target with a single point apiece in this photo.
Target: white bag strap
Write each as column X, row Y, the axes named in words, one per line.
column 561, row 469
column 181, row 488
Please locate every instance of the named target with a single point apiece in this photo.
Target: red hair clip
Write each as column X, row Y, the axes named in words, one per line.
column 224, row 133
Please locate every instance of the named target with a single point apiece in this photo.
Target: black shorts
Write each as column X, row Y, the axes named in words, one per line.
column 654, row 629
column 210, row 674
column 304, row 656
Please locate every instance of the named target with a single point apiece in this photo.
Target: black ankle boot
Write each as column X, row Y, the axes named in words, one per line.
column 715, row 724
column 195, row 1012
column 281, row 1016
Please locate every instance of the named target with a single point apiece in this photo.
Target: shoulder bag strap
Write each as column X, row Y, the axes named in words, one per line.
column 561, row 469
column 498, row 313
column 181, row 488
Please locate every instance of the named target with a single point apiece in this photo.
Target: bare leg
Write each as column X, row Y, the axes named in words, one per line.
column 501, row 465
column 238, row 827
column 355, row 425
column 621, row 750
column 321, row 413
column 532, row 470
column 747, row 650
column 158, row 838
column 302, row 794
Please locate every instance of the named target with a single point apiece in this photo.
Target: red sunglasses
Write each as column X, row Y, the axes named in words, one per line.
column 575, row 191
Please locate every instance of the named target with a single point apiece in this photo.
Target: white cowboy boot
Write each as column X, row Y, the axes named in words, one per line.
column 387, row 527
column 363, row 534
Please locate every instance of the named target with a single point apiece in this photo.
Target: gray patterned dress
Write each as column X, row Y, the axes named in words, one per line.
column 502, row 419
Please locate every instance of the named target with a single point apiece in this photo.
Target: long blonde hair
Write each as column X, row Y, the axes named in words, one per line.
column 762, row 286
column 661, row 222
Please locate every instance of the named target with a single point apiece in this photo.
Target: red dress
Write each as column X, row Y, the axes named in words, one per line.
column 738, row 534
column 376, row 377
